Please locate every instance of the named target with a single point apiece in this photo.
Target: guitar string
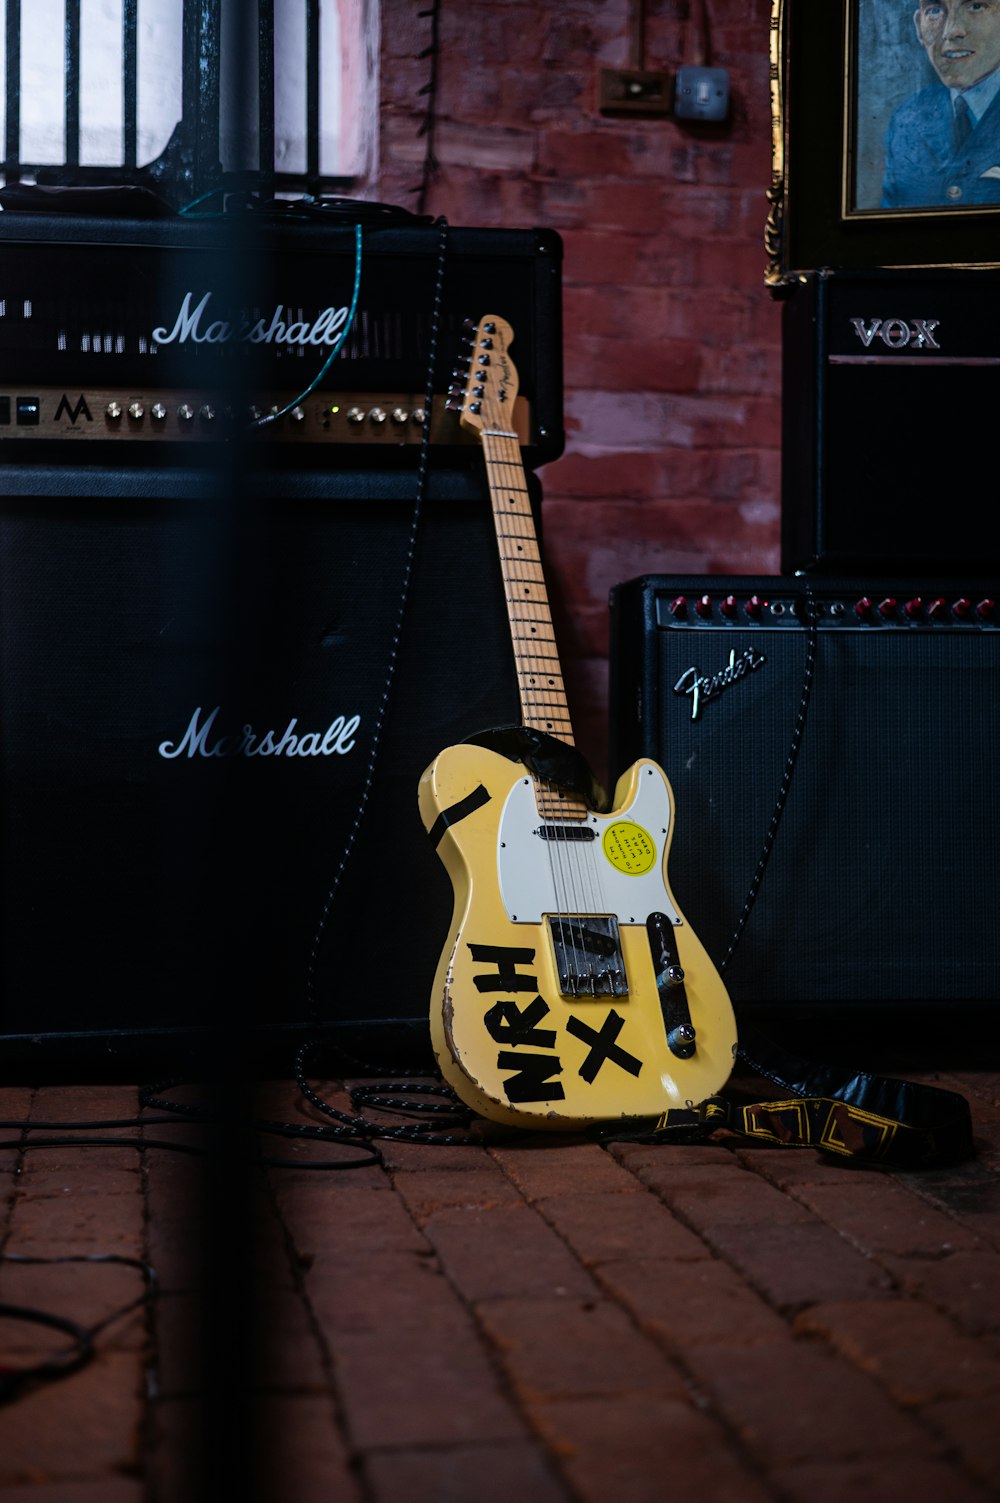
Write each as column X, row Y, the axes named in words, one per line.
column 578, row 888
column 576, row 883
column 495, row 441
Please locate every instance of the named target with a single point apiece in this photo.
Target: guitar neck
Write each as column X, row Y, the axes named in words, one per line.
column 544, row 706
column 540, row 682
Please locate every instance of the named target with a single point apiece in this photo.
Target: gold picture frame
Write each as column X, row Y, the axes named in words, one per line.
column 864, row 172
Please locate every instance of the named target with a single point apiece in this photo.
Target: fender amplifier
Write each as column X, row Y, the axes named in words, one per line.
column 879, row 901
column 200, row 701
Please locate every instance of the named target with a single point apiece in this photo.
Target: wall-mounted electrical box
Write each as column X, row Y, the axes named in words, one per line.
column 701, row 93
column 634, row 91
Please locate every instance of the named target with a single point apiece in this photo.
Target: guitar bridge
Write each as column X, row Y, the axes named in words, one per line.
column 588, row 955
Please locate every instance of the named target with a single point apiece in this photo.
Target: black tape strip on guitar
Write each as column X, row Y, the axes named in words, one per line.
column 546, row 758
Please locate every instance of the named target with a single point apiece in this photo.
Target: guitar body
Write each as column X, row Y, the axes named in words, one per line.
column 570, row 990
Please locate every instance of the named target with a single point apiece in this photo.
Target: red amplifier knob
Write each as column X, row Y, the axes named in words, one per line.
column 887, row 607
column 754, row 607
column 914, row 607
column 728, row 607
column 961, row 608
column 986, row 609
column 863, row 607
column 704, row 605
column 937, row 608
column 678, row 607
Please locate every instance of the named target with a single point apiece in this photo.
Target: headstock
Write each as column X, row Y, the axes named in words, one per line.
column 486, row 401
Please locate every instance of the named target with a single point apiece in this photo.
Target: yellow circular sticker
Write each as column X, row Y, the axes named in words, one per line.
column 629, row 848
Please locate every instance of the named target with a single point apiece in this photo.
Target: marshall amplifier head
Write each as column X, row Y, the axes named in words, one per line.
column 308, row 336
column 877, row 368
column 878, row 904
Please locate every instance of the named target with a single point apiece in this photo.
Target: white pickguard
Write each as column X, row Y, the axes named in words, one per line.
column 540, row 876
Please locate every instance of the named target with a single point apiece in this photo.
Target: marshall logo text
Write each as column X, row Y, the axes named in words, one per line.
column 198, row 741
column 194, row 324
column 702, row 689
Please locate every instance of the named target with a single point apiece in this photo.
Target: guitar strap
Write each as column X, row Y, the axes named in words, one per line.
column 848, row 1113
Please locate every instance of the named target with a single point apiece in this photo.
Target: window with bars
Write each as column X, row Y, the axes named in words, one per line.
column 188, row 95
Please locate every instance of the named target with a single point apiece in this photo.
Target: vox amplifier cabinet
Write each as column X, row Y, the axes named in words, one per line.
column 195, row 700
column 181, row 334
column 871, row 481
column 880, row 897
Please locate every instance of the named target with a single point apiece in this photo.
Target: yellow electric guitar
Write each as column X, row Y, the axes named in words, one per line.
column 570, row 990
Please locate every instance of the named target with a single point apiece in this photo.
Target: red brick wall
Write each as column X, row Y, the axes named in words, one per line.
column 671, row 338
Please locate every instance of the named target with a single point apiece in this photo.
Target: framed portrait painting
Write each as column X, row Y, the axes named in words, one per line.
column 886, row 135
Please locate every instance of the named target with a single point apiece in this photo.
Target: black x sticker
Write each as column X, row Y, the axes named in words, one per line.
column 603, row 1046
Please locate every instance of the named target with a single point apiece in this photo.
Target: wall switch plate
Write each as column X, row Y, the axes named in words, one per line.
column 634, row 91
column 701, row 93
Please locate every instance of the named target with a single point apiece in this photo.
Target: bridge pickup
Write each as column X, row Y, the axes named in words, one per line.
column 588, row 955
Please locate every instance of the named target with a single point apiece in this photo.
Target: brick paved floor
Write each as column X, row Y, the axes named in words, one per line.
column 538, row 1319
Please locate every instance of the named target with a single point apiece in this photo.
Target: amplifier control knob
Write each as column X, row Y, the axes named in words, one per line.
column 863, row 607
column 207, row 413
column 185, row 412
column 136, row 411
column 399, row 415
column 678, row 608
column 887, row 607
column 753, row 607
column 937, row 608
column 986, row 609
column 961, row 608
column 704, row 606
column 728, row 607
column 113, row 411
column 417, row 417
column 298, row 414
column 377, row 416
column 914, row 607
column 158, row 412
column 355, row 415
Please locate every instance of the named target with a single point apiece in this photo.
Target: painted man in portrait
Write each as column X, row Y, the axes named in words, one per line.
column 942, row 146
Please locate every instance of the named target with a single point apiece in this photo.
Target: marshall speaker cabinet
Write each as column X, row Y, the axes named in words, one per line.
column 228, row 651
column 889, row 383
column 878, row 904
